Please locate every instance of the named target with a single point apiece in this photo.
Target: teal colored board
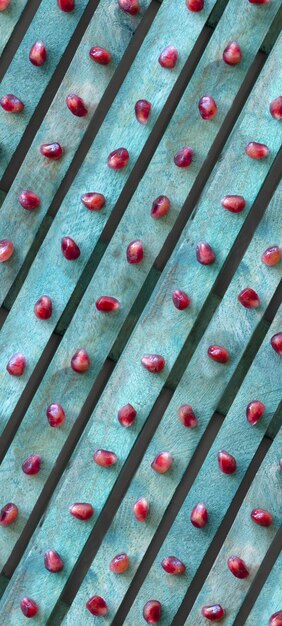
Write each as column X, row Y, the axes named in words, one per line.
column 270, row 597
column 8, row 21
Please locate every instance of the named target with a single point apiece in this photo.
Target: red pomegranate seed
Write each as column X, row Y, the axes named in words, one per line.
column 81, row 510
column 226, row 462
column 142, row 111
column 70, row 249
column 11, row 103
column 207, row 107
column 100, row 55
column 276, row 342
column 66, row 5
column 187, row 416
column 184, row 157
column 204, row 253
column 141, row 509
column 118, row 159
column 53, row 561
column 43, row 308
column 29, row 200
column 32, row 465
column 199, row 516
column 135, row 252
column 8, row 514
column 154, row 363
column 259, row 1
column 249, row 298
column 168, row 57
column 107, row 303
column 16, row 364
column 238, row 567
column 80, row 361
column 214, row 612
column 119, row 564
column 195, row 5
column 4, row 4
column 160, row 207
column 172, row 565
column 105, row 458
column 275, row 619
column 38, row 53
column 6, row 250
column 162, row 462
column 97, row 606
column 271, row 256
column 256, row 150
column 76, row 105
column 126, row 415
column 275, row 108
column 234, row 204
column 93, row 201
column 180, row 299
column 232, row 54
column 218, row 354
column 51, row 150
column 152, row 612
column 56, row 415
column 129, row 6
column 29, row 607
column 254, row 411
column 261, row 517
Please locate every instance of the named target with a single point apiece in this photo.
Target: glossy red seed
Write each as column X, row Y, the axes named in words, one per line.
column 160, row 207
column 168, row 57
column 38, row 54
column 238, row 567
column 187, row 416
column 232, row 54
column 180, row 299
column 32, row 465
column 207, row 107
column 16, row 364
column 234, row 204
column 162, row 462
column 195, row 5
column 56, row 415
column 29, row 607
column 218, row 354
column 199, row 516
column 81, row 510
column 43, row 308
column 259, row 1
column 80, row 361
column 256, row 150
column 11, row 103
column 126, row 415
column 4, row 4
column 275, row 619
column 154, row 363
column 141, row 509
column 142, row 111
column 8, row 514
column 93, row 201
column 97, row 606
column 129, row 6
column 29, row 200
column 152, row 612
column 276, row 342
column 249, row 298
column 6, row 250
column 70, row 249
column 53, row 562
column 76, row 105
column 275, row 108
column 100, row 55
column 105, row 458
column 66, row 5
column 118, row 159
column 254, row 411
column 226, row 462
column 271, row 256
column 204, row 253
column 261, row 517
column 135, row 252
column 172, row 565
column 184, row 157
column 107, row 304
column 51, row 150
column 119, row 564
column 214, row 612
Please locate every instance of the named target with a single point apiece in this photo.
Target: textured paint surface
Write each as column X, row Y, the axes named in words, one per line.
column 8, row 20
column 269, row 600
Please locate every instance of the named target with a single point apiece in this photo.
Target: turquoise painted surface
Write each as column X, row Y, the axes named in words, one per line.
column 269, row 600
column 8, row 20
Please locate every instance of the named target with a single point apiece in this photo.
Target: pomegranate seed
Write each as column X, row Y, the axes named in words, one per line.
column 256, row 150
column 38, row 53
column 168, row 57
column 160, row 207
column 218, row 354
column 249, row 298
column 80, row 361
column 162, row 462
column 70, row 249
column 8, row 514
column 226, row 462
column 276, row 342
column 53, row 561
column 135, row 252
column 142, row 111
column 16, row 364
column 154, row 363
column 43, row 308
column 204, row 253
column 199, row 516
column 195, row 5
column 187, row 416
column 29, row 200
column 119, row 564
column 32, row 465
column 152, row 612
column 107, row 303
column 51, row 150
column 4, row 4
column 76, row 105
column 271, row 256
column 184, row 157
column 97, row 606
column 232, row 54
column 6, row 250
column 275, row 619
column 275, row 108
column 29, row 607
column 214, row 612
column 234, row 204
column 129, row 6
column 254, row 411
column 172, row 565
column 93, row 201
column 141, row 509
column 207, row 107
column 259, row 1
column 11, row 103
column 180, row 299
column 126, row 415
column 81, row 510
column 56, row 415
column 105, row 458
column 100, row 55
column 238, row 567
column 261, row 517
column 118, row 159
column 66, row 5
